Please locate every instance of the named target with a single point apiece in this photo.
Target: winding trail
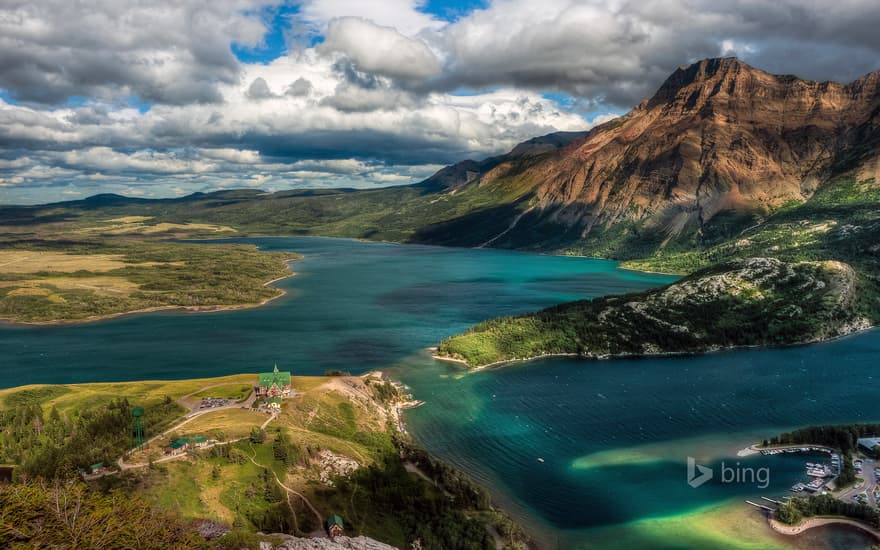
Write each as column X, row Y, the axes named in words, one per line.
column 288, row 489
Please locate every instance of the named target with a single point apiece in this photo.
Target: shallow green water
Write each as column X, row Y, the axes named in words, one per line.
column 613, row 435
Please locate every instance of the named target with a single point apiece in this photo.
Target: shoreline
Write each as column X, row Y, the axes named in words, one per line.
column 500, row 503
column 503, row 361
column 820, row 521
column 625, row 268
column 188, row 309
column 607, row 357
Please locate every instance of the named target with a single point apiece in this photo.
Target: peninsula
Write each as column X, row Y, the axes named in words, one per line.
column 219, row 462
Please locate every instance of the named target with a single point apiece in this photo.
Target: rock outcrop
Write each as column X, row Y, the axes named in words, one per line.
column 338, row 543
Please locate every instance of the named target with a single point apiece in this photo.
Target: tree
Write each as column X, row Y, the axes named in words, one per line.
column 257, row 435
column 789, row 513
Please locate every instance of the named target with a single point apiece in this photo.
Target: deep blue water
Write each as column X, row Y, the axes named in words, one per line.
column 614, row 435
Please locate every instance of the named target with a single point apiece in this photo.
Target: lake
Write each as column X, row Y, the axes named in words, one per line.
column 613, row 436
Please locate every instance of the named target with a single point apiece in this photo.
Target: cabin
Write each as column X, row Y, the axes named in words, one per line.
column 183, row 444
column 176, row 447
column 273, row 384
column 334, row 526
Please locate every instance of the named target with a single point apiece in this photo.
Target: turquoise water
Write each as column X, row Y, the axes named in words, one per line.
column 352, row 306
column 613, row 435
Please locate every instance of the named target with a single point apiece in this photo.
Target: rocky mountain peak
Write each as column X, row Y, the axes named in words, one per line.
column 699, row 73
column 718, row 136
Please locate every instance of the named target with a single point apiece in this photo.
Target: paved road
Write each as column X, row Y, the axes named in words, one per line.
column 866, row 486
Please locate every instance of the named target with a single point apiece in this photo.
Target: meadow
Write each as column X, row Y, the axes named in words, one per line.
column 49, row 274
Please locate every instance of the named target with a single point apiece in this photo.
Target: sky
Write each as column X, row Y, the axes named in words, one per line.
column 180, row 96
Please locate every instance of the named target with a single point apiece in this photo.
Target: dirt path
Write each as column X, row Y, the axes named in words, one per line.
column 289, row 490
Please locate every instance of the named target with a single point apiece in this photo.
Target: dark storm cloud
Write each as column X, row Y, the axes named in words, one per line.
column 163, row 51
column 374, row 145
column 619, row 53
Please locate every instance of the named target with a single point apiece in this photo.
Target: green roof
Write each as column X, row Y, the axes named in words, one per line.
column 275, row 400
column 177, row 443
column 96, row 466
column 198, row 439
column 334, row 520
column 281, row 379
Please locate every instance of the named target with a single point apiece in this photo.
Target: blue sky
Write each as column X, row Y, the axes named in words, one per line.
column 183, row 96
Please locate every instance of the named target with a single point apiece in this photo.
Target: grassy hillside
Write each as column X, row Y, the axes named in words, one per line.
column 758, row 301
column 333, row 449
column 402, row 214
column 30, row 517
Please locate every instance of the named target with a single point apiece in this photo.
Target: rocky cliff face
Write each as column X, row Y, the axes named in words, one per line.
column 718, row 136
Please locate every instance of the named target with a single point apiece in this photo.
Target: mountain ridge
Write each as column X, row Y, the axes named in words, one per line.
column 718, row 136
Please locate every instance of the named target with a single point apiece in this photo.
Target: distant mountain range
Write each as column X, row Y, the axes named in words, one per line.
column 719, row 147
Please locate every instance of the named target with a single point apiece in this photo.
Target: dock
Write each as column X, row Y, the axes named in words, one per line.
column 761, row 506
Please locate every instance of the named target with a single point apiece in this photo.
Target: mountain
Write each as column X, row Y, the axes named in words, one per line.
column 763, row 187
column 715, row 151
column 718, row 147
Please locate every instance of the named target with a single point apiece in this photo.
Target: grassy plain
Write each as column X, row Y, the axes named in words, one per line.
column 49, row 280
column 227, row 391
column 69, row 398
column 223, row 424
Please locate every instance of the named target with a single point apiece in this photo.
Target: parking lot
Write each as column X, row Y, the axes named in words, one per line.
column 867, row 490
